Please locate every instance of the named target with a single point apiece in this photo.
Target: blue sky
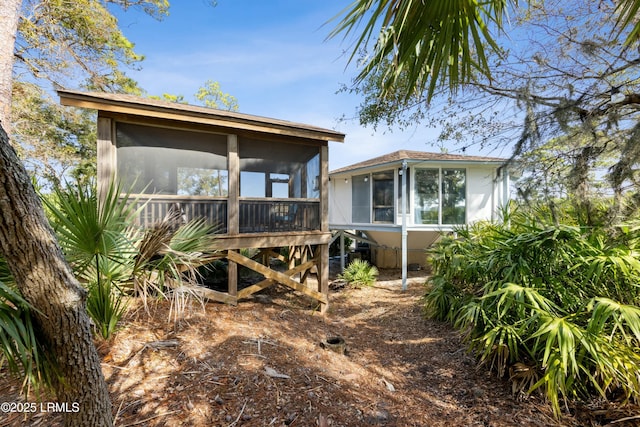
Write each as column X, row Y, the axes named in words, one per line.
column 272, row 56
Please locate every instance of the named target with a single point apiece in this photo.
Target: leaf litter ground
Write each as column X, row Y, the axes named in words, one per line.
column 266, row 362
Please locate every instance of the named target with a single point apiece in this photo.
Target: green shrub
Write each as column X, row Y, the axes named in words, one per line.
column 553, row 306
column 103, row 245
column 359, row 273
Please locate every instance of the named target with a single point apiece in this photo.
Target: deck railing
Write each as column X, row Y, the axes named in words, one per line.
column 276, row 215
column 255, row 215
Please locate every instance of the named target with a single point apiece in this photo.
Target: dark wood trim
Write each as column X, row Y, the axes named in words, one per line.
column 106, row 155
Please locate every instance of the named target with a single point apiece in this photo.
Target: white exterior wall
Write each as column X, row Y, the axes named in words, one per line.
column 484, row 194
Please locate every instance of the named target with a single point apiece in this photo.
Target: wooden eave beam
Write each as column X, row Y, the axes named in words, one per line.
column 267, row 240
column 200, row 115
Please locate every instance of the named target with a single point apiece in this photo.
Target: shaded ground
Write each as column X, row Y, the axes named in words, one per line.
column 263, row 364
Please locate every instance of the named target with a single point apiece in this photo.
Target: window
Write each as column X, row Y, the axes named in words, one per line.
column 360, row 199
column 383, row 196
column 440, row 196
column 427, row 196
column 454, row 190
column 279, row 185
column 399, row 193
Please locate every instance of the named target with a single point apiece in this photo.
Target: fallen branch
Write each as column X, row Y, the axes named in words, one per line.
column 239, row 415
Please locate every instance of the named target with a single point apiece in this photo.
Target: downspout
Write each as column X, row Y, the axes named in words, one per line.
column 403, row 196
column 505, row 192
column 341, row 251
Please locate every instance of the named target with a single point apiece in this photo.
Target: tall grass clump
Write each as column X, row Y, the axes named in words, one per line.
column 551, row 304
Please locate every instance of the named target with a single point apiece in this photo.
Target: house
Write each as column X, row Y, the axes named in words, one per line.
column 264, row 182
column 442, row 191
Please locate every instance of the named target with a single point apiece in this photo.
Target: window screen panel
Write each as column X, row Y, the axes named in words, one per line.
column 360, row 199
column 383, row 197
column 300, row 162
column 171, row 161
column 426, row 196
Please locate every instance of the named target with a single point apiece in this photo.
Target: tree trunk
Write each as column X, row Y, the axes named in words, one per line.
column 43, row 276
column 8, row 28
column 47, row 282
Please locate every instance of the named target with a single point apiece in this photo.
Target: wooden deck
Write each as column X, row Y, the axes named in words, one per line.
column 265, row 224
column 138, row 137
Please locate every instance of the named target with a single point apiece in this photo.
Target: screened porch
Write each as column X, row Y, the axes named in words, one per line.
column 186, row 174
column 263, row 182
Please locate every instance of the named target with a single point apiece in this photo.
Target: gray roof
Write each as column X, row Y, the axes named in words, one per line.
column 417, row 156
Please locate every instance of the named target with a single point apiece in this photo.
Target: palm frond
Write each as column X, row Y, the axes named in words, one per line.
column 424, row 45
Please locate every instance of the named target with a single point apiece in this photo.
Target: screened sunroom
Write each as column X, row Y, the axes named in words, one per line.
column 439, row 196
column 440, row 191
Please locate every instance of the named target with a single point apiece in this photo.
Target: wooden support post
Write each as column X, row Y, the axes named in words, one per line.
column 232, row 276
column 106, row 155
column 323, row 276
column 233, row 203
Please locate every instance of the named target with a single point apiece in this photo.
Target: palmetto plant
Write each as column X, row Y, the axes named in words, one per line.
column 167, row 261
column 113, row 257
column 359, row 273
column 99, row 242
column 19, row 348
column 554, row 306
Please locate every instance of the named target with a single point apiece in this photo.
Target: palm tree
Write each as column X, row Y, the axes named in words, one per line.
column 423, row 45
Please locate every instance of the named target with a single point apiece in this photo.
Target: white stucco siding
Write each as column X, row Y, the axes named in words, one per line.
column 340, row 200
column 480, row 194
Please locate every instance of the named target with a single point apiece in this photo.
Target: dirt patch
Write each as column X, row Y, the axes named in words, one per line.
column 266, row 362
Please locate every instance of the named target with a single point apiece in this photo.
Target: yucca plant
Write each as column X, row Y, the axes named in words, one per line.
column 359, row 273
column 555, row 306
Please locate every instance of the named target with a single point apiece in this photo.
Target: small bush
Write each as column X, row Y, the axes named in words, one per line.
column 359, row 273
column 106, row 307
